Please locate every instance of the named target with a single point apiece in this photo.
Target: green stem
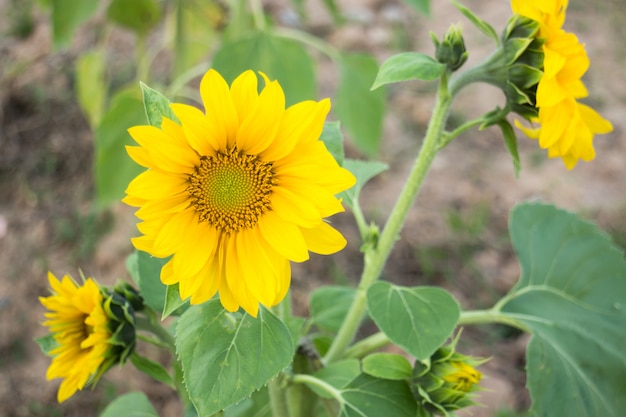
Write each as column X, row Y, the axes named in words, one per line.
column 146, row 324
column 312, row 381
column 489, row 317
column 310, row 40
column 490, row 71
column 278, row 400
column 360, row 220
column 450, row 136
column 143, row 67
column 376, row 258
column 367, row 345
column 258, row 15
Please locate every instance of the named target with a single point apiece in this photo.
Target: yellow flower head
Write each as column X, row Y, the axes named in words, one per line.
column 463, row 377
column 567, row 127
column 79, row 326
column 236, row 192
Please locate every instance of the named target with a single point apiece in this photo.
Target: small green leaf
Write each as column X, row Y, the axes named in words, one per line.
column 408, row 66
column 228, row 356
column 173, row 303
column 46, row 343
column 571, row 296
column 153, row 369
column 281, row 59
column 480, row 24
column 369, row 396
column 417, row 319
column 67, row 15
column 510, row 141
column 338, row 374
column 329, row 306
column 145, row 270
column 363, row 171
column 137, row 15
column 333, row 139
column 388, row 366
column 360, row 110
column 156, row 106
column 133, row 404
column 113, row 168
column 422, row 6
column 91, row 87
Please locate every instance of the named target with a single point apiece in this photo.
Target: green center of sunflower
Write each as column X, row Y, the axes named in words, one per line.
column 231, row 190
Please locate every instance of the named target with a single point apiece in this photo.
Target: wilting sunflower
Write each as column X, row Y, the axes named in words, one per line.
column 567, row 126
column 236, row 192
column 79, row 325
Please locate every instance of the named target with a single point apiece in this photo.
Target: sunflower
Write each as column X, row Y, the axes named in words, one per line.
column 567, row 126
column 79, row 325
column 234, row 193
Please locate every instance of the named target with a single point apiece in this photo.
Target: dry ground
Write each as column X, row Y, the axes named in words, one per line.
column 455, row 235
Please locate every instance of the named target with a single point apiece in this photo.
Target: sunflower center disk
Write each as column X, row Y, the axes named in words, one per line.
column 231, row 190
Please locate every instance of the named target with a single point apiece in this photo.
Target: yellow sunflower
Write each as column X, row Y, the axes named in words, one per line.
column 79, row 326
column 567, row 126
column 236, row 192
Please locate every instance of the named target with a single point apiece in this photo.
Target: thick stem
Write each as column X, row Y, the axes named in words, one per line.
column 489, row 317
column 377, row 257
column 367, row 345
column 278, row 399
column 149, row 325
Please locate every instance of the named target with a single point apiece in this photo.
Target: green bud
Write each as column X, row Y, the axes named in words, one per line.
column 127, row 291
column 451, row 51
column 446, row 381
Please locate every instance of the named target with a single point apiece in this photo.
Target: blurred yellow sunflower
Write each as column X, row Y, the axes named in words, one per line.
column 236, row 192
column 567, row 126
column 79, row 325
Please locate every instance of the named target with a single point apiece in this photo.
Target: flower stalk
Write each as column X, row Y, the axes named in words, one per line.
column 376, row 258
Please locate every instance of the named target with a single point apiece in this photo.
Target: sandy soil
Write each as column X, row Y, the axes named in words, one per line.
column 455, row 235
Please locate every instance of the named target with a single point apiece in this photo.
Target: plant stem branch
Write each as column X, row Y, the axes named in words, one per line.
column 278, row 399
column 489, row 317
column 367, row 345
column 376, row 258
column 146, row 324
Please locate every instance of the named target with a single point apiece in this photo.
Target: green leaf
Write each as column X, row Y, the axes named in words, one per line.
column 257, row 405
column 113, row 168
column 338, row 374
column 153, row 369
column 333, row 139
column 91, row 87
column 227, row 356
column 572, row 298
column 137, row 15
column 280, row 59
column 360, row 110
column 408, row 66
column 145, row 270
column 47, row 343
column 363, row 171
column 510, row 141
column 133, row 404
column 67, row 15
column 173, row 303
column 480, row 24
column 422, row 6
column 156, row 106
column 388, row 366
column 369, row 396
column 329, row 306
column 418, row 319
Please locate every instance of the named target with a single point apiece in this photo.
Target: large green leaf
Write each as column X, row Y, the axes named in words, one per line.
column 257, row 405
column 367, row 396
column 137, row 15
column 360, row 110
column 67, row 15
column 114, row 168
column 417, row 319
column 330, row 305
column 281, row 59
column 388, row 366
column 133, row 404
column 333, row 139
column 228, row 356
column 572, row 298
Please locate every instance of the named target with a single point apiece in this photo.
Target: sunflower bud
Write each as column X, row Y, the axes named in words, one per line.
column 445, row 382
column 121, row 314
column 451, row 51
column 127, row 291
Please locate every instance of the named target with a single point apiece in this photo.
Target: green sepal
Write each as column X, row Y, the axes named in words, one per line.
column 151, row 368
column 47, row 344
column 480, row 24
column 451, row 50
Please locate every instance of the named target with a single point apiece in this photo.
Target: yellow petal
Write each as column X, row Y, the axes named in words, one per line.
column 164, row 152
column 323, row 239
column 244, row 91
column 284, row 237
column 219, row 108
column 201, row 134
column 294, row 209
column 195, row 249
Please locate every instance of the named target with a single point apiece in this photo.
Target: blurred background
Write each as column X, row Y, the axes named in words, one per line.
column 68, row 90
